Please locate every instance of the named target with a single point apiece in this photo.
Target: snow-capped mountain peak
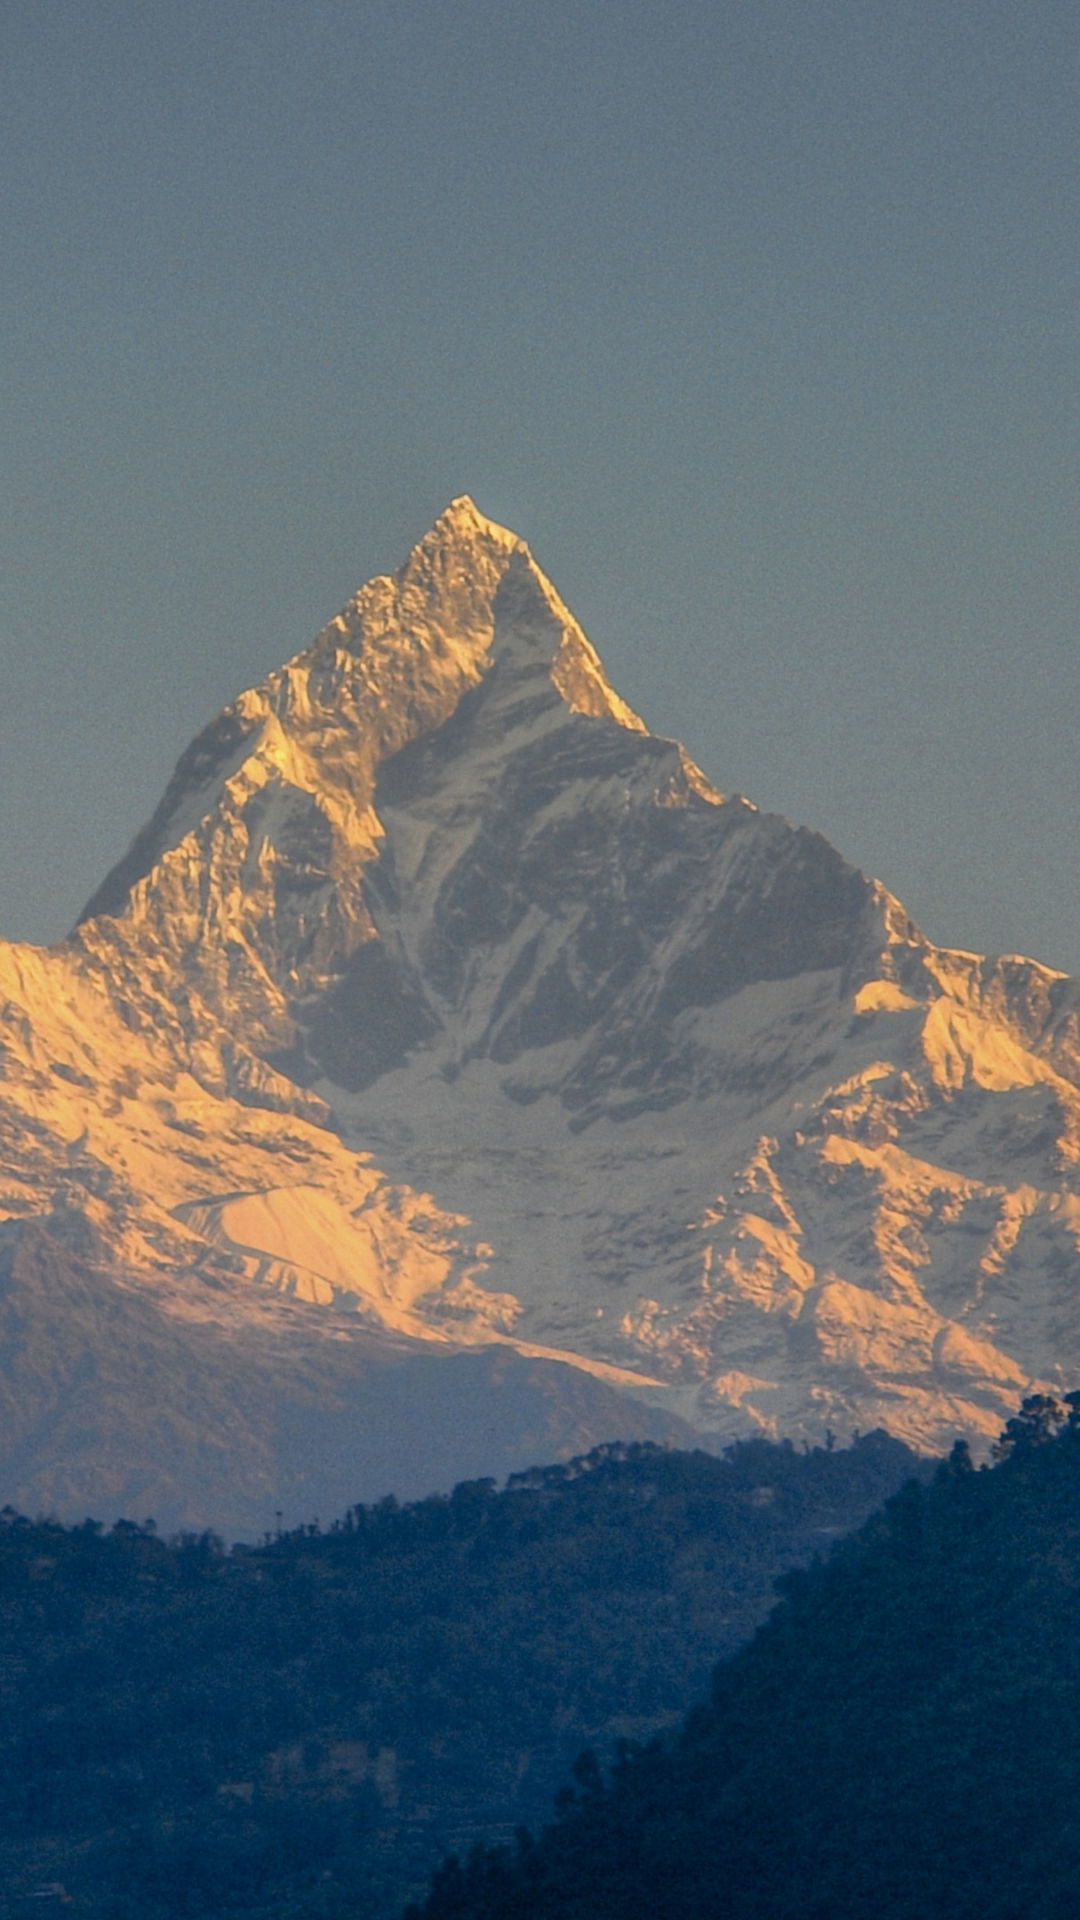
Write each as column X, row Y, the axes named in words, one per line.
column 439, row 984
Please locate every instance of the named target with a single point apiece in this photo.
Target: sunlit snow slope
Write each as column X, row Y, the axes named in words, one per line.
column 440, row 991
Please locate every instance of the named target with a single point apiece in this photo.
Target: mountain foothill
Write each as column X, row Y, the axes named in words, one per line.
column 894, row 1744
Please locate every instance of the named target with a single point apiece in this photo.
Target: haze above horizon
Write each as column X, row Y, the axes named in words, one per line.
column 756, row 322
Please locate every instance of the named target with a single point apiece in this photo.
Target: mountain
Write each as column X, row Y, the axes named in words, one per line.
column 909, row 1758
column 444, row 1005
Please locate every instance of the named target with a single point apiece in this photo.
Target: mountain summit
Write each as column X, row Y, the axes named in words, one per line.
column 441, row 994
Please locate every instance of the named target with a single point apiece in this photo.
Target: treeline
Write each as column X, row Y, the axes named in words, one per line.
column 307, row 1726
column 897, row 1743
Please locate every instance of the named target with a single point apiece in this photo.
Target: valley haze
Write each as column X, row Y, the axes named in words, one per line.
column 449, row 1074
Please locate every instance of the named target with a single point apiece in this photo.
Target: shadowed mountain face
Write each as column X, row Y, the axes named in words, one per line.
column 120, row 1401
column 440, row 992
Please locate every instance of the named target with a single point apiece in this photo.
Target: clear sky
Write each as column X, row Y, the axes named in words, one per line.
column 757, row 318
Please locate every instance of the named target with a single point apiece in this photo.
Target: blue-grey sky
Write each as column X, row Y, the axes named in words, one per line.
column 758, row 319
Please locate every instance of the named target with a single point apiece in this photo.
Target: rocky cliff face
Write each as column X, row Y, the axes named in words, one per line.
column 440, row 990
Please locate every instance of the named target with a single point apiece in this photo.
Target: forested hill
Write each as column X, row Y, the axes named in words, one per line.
column 897, row 1743
column 308, row 1726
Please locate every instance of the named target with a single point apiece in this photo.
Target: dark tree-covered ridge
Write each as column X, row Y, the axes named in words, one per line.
column 897, row 1742
column 308, row 1726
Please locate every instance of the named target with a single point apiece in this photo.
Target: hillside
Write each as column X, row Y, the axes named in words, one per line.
column 304, row 1727
column 895, row 1744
